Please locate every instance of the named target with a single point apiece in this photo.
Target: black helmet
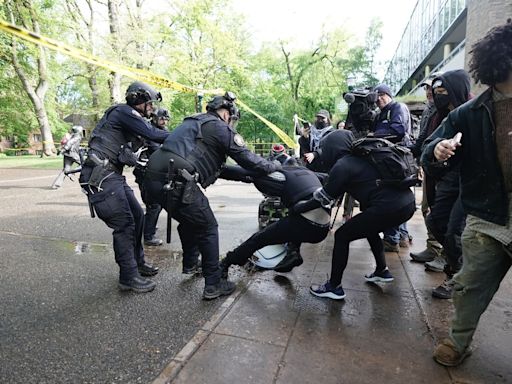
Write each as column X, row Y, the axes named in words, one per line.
column 227, row 102
column 162, row 112
column 140, row 93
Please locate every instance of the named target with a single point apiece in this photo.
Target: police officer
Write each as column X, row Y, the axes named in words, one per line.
column 107, row 191
column 159, row 120
column 199, row 148
column 292, row 184
column 71, row 153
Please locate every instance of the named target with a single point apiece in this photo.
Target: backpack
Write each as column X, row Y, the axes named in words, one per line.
column 395, row 164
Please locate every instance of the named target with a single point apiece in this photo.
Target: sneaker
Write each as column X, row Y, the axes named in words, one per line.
column 444, row 291
column 193, row 270
column 137, row 284
column 326, row 290
column 147, row 270
column 380, row 277
column 447, row 354
column 390, row 247
column 153, row 242
column 423, row 256
column 436, row 265
column 290, row 261
column 222, row 288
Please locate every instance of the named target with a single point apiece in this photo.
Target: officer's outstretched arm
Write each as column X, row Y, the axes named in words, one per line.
column 247, row 159
column 237, row 173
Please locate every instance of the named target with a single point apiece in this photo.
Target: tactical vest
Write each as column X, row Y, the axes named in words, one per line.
column 300, row 185
column 107, row 140
column 187, row 142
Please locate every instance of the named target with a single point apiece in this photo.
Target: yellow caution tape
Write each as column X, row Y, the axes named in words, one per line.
column 133, row 73
column 282, row 135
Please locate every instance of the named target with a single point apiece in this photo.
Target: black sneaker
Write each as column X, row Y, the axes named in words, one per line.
column 137, row 284
column 153, row 242
column 326, row 290
column 383, row 276
column 147, row 270
column 222, row 288
column 290, row 261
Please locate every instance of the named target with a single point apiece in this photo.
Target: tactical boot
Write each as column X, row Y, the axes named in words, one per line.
column 137, row 284
column 423, row 256
column 153, row 242
column 193, row 270
column 147, row 270
column 222, row 288
column 290, row 261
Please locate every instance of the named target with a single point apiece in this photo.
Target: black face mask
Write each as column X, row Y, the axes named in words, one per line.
column 320, row 124
column 441, row 101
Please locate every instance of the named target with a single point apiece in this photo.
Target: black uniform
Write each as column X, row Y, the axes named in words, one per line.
column 296, row 184
column 382, row 207
column 153, row 208
column 106, row 187
column 200, row 145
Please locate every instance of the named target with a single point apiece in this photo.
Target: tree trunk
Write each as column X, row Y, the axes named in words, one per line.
column 115, row 78
column 36, row 95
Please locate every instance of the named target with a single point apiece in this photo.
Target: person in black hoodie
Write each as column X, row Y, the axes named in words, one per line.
column 446, row 219
column 382, row 207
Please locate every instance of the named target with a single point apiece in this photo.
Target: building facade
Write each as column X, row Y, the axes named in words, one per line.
column 438, row 37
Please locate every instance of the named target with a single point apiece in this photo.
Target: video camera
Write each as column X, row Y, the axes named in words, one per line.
column 362, row 110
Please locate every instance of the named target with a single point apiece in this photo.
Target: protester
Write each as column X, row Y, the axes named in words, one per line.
column 71, row 152
column 477, row 136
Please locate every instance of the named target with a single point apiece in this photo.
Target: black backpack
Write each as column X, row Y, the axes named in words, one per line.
column 395, row 164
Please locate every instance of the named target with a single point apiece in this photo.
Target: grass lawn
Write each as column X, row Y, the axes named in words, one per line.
column 31, row 162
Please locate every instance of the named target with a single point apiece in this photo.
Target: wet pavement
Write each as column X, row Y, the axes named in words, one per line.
column 64, row 321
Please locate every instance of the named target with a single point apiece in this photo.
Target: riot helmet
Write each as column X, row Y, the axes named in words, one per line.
column 227, row 101
column 139, row 93
column 160, row 117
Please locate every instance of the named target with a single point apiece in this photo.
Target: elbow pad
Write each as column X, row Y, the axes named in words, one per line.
column 321, row 196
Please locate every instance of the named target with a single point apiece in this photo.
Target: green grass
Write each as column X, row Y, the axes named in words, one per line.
column 31, row 162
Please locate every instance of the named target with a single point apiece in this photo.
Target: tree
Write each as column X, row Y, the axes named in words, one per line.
column 33, row 75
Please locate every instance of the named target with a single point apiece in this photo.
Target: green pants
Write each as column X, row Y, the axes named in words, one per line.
column 485, row 264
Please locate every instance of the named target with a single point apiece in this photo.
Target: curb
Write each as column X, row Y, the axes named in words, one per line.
column 173, row 368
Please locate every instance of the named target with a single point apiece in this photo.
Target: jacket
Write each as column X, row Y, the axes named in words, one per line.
column 482, row 187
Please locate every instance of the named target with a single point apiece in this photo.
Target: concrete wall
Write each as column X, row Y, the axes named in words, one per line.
column 482, row 16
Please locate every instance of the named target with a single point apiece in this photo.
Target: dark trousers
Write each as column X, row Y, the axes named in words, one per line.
column 368, row 224
column 294, row 229
column 118, row 207
column 153, row 208
column 198, row 228
column 446, row 221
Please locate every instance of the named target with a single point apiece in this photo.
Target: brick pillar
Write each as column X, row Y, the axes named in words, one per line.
column 482, row 16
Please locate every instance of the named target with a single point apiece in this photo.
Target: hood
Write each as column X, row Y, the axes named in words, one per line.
column 334, row 146
column 457, row 84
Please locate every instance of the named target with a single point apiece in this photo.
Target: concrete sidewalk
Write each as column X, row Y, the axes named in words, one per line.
column 272, row 330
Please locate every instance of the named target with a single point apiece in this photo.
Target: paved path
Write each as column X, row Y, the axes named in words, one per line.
column 64, row 321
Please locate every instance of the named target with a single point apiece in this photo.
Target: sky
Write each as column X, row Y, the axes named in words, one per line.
column 300, row 22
